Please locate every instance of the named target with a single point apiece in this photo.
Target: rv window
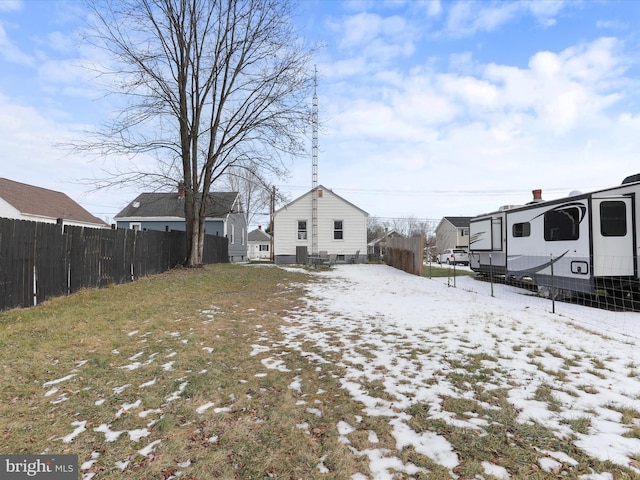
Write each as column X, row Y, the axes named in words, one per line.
column 562, row 224
column 613, row 219
column 521, row 229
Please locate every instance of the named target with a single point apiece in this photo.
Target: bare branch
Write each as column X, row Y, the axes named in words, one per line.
column 210, row 87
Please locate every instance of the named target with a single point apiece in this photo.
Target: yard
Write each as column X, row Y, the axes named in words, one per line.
column 361, row 371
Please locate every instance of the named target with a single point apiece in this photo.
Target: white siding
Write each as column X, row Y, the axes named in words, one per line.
column 254, row 250
column 446, row 236
column 8, row 211
column 330, row 208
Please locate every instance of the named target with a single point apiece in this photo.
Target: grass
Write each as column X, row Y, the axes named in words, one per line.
column 145, row 326
column 174, row 358
column 436, row 271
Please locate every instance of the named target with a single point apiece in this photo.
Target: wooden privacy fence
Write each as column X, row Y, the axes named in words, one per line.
column 405, row 254
column 43, row 260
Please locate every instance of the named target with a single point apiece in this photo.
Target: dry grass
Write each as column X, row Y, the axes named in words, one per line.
column 145, row 357
column 175, row 317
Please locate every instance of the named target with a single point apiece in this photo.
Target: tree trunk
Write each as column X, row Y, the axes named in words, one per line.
column 214, row 84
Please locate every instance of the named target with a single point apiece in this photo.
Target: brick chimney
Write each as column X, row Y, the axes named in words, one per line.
column 180, row 189
column 537, row 195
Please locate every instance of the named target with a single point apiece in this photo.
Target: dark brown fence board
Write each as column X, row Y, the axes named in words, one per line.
column 64, row 260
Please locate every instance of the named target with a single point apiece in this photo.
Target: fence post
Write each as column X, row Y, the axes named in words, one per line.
column 552, row 289
column 35, row 286
column 490, row 273
column 454, row 274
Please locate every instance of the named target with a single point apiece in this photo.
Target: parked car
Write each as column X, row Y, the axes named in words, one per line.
column 454, row 256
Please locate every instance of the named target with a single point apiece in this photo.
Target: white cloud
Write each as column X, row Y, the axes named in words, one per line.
column 545, row 11
column 612, row 25
column 380, row 39
column 434, row 8
column 468, row 17
column 29, row 154
column 493, row 128
column 10, row 52
column 10, row 5
column 465, row 18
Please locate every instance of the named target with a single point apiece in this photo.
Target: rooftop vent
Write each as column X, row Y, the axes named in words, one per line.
column 632, row 178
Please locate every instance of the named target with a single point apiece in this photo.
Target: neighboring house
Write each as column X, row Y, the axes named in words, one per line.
column 165, row 212
column 341, row 229
column 378, row 247
column 26, row 202
column 259, row 245
column 452, row 232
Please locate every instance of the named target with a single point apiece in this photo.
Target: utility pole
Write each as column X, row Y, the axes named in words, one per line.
column 272, row 207
column 314, row 169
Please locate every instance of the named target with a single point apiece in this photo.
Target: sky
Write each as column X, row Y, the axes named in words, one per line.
column 412, row 339
column 427, row 108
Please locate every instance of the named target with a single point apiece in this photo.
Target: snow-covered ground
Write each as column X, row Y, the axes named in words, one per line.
column 412, row 335
column 396, row 315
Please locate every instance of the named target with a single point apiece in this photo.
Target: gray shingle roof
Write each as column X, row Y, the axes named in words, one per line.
column 258, row 235
column 31, row 200
column 459, row 221
column 170, row 205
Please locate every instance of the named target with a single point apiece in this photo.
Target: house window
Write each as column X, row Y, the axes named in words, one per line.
column 233, row 232
column 264, row 248
column 613, row 219
column 338, row 232
column 242, row 241
column 464, row 232
column 302, row 229
column 562, row 224
column 135, row 226
column 521, row 229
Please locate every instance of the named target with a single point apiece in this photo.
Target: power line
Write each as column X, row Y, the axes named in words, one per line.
column 470, row 193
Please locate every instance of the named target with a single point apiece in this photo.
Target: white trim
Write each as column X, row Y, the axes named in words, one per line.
column 306, row 231
column 163, row 219
column 334, row 230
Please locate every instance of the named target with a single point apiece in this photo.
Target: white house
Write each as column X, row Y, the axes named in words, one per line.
column 341, row 229
column 27, row 202
column 259, row 243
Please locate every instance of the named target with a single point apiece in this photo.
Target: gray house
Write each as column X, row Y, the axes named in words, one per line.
column 452, row 232
column 165, row 212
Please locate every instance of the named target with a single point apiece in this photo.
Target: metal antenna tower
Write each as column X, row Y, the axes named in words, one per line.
column 314, row 168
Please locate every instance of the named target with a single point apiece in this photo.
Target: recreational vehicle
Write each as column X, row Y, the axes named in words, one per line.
column 586, row 243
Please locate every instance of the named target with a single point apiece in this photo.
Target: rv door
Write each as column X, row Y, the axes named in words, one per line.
column 613, row 241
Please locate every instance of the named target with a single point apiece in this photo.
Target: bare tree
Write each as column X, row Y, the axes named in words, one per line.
column 208, row 85
column 254, row 192
column 376, row 228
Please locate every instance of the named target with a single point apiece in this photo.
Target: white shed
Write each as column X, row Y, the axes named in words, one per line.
column 341, row 229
